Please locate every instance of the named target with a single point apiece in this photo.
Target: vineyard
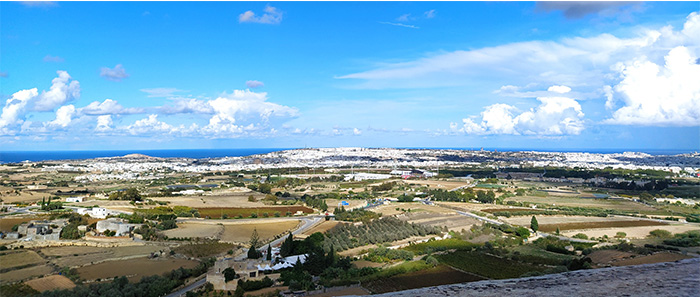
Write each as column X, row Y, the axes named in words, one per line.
column 388, row 229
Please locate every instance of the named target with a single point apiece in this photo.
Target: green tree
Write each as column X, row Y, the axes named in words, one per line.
column 269, row 253
column 534, row 225
column 229, row 274
column 557, row 232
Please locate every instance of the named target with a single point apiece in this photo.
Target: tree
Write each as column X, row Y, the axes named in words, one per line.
column 269, row 253
column 287, row 247
column 253, row 253
column 534, row 225
column 557, row 232
column 229, row 274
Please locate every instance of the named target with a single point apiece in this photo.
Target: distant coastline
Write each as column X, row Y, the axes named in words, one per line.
column 36, row 156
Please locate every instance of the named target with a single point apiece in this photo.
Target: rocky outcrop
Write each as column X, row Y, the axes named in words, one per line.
column 681, row 278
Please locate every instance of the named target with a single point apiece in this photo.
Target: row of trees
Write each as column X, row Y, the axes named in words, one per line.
column 355, row 215
column 463, row 196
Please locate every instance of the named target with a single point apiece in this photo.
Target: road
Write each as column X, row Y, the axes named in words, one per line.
column 191, row 287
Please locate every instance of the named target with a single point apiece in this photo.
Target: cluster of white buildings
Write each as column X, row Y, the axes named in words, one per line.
column 135, row 168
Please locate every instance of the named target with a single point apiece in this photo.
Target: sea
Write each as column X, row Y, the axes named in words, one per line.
column 35, row 156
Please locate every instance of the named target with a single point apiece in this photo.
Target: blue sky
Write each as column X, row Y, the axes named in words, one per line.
column 161, row 75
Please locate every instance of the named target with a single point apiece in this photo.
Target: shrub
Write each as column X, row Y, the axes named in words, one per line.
column 660, row 233
column 581, row 236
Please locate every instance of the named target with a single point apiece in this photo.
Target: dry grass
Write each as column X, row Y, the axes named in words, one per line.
column 240, row 233
column 437, row 184
column 233, row 212
column 195, row 230
column 107, row 254
column 237, row 197
column 18, row 259
column 322, row 227
column 635, row 232
column 51, row 282
column 21, row 274
column 134, row 269
column 6, row 224
column 390, row 209
column 71, row 250
column 598, row 225
column 621, row 205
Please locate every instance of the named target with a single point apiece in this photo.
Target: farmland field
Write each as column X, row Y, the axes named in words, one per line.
column 245, row 212
column 25, row 273
column 486, row 265
column 51, row 282
column 620, row 205
column 439, row 275
column 92, row 255
column 513, row 211
column 597, row 225
column 6, row 224
column 194, row 230
column 19, row 259
column 240, row 233
column 134, row 269
column 322, row 227
column 648, row 259
column 635, row 232
column 437, row 184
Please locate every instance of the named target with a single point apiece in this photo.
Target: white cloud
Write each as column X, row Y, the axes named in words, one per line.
column 64, row 116
column 40, row 4
column 63, row 89
column 149, row 125
column 4, row 74
column 430, row 14
column 254, row 84
column 554, row 116
column 12, row 113
column 575, row 62
column 400, row 25
column 404, row 18
column 160, row 92
column 559, row 89
column 667, row 95
column 104, row 123
column 108, row 106
column 272, row 16
column 356, row 131
column 50, row 58
column 188, row 106
column 114, row 74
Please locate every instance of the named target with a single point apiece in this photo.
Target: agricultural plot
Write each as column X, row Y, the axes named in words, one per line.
column 114, row 253
column 486, row 265
column 195, row 230
column 51, row 282
column 598, row 225
column 71, row 250
column 514, row 210
column 133, row 269
column 260, row 212
column 25, row 273
column 619, row 205
column 391, row 209
column 10, row 260
column 240, row 233
column 454, row 222
column 654, row 258
column 439, row 275
column 635, row 232
column 6, row 223
column 217, row 198
column 322, row 227
column 437, row 184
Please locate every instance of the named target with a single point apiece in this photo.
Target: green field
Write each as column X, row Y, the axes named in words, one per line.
column 487, row 265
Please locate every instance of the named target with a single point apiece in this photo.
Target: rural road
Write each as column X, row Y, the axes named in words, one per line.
column 191, row 287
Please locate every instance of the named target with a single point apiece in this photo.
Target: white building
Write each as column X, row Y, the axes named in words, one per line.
column 75, row 199
column 96, row 212
column 120, row 226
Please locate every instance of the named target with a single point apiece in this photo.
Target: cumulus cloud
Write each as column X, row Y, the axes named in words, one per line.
column 559, row 89
column 114, row 74
column 271, row 15
column 554, row 116
column 50, row 58
column 253, row 84
column 64, row 116
column 62, row 90
column 149, row 125
column 663, row 95
column 104, row 123
column 580, row 9
column 160, row 92
column 108, row 106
